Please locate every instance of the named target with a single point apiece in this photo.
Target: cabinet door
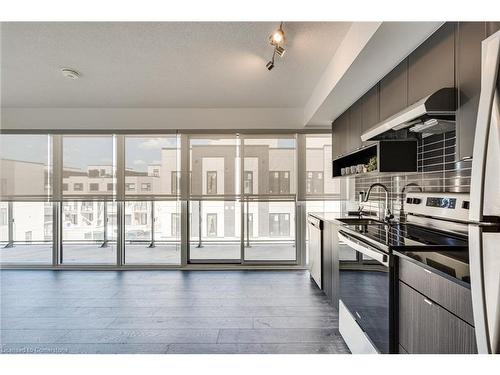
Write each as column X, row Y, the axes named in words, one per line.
column 371, row 106
column 427, row 328
column 343, row 133
column 432, row 65
column 335, row 145
column 492, row 28
column 355, row 125
column 394, row 91
column 468, row 69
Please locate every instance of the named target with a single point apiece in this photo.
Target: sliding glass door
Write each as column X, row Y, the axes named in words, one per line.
column 214, row 205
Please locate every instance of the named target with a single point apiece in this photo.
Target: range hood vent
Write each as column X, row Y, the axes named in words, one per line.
column 430, row 115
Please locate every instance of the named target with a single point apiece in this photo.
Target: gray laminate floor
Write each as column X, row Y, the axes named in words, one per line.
column 165, row 312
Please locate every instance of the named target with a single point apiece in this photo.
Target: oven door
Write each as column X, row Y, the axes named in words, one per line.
column 365, row 291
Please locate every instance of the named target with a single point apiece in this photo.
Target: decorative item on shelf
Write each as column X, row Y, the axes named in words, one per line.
column 365, row 168
column 353, row 169
column 372, row 164
column 342, row 171
column 359, row 168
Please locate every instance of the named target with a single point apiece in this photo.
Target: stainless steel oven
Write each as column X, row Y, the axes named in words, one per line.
column 365, row 288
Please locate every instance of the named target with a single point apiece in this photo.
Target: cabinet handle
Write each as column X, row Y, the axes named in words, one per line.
column 428, row 302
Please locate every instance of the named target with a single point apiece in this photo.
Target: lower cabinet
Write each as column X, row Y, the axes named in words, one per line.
column 427, row 328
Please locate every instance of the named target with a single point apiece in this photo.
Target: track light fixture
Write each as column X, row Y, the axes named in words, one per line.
column 277, row 40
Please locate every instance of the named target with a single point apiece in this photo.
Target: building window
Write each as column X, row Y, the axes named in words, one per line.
column 93, row 173
column 3, row 216
column 130, row 187
column 71, row 218
column 211, row 225
column 28, row 236
column 211, row 182
column 78, row 186
column 175, row 224
column 87, row 206
column 65, row 187
column 156, row 172
column 110, row 187
column 248, row 182
column 94, row 187
column 146, row 186
column 279, row 225
column 88, row 218
column 249, row 217
column 141, row 218
column 279, row 182
column 314, row 183
column 175, row 182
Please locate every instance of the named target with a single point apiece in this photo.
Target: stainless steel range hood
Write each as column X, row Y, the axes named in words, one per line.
column 431, row 114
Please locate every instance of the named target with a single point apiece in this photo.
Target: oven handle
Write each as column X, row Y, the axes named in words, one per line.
column 363, row 248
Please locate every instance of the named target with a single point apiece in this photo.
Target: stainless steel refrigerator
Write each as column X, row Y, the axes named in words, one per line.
column 484, row 212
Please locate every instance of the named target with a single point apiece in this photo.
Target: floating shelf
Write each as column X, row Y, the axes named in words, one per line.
column 392, row 156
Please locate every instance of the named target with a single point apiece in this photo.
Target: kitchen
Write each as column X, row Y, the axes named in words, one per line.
column 206, row 189
column 411, row 261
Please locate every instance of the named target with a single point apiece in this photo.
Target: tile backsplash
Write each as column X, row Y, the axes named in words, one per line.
column 437, row 172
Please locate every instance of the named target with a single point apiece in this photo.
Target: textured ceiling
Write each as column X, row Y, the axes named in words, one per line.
column 171, row 65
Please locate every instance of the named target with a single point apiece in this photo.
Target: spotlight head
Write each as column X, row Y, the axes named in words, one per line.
column 280, row 51
column 270, row 65
column 277, row 37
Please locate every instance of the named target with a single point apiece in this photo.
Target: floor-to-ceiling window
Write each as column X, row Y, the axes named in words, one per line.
column 269, row 197
column 127, row 200
column 152, row 208
column 214, row 205
column 318, row 190
column 88, row 208
column 26, row 210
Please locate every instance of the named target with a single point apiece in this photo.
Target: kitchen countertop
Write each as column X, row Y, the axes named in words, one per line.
column 453, row 265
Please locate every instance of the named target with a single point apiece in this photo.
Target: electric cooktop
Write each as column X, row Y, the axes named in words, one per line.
column 440, row 251
column 401, row 236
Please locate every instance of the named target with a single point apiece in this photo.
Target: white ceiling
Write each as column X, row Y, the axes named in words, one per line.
column 176, row 75
column 171, row 64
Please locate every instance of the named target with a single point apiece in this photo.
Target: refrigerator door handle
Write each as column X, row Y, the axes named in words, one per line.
column 489, row 70
column 477, row 289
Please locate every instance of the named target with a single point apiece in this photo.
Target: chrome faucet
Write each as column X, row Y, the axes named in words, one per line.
column 401, row 209
column 388, row 216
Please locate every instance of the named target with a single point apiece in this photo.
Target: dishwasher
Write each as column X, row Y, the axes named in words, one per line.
column 315, row 228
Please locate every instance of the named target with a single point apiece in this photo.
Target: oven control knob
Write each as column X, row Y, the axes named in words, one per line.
column 417, row 200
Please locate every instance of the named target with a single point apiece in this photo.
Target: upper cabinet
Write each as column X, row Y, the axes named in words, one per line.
column 394, row 91
column 371, row 113
column 355, row 125
column 451, row 57
column 432, row 65
column 341, row 135
column 468, row 77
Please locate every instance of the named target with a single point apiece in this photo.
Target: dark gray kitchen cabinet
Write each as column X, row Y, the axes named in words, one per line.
column 432, row 65
column 394, row 91
column 341, row 133
column 427, row 328
column 492, row 28
column 370, row 108
column 468, row 71
column 355, row 126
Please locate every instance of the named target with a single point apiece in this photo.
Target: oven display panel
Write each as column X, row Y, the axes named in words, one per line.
column 441, row 202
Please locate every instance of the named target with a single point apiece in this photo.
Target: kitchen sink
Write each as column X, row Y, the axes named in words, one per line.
column 359, row 221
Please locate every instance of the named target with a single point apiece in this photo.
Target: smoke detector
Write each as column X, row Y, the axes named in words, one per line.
column 70, row 73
